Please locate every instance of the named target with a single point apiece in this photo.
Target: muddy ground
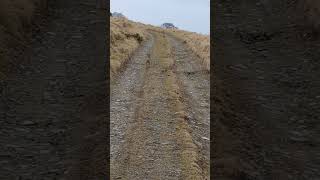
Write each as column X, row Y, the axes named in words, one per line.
column 265, row 92
column 160, row 114
column 53, row 103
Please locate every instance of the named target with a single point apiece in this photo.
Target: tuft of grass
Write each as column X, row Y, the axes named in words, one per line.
column 198, row 43
column 125, row 37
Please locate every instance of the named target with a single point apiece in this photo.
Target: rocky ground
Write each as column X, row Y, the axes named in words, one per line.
column 53, row 106
column 265, row 92
column 160, row 114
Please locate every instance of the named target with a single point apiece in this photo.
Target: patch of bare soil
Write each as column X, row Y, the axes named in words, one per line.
column 151, row 136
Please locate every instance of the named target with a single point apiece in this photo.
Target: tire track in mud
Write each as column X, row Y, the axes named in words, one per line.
column 150, row 133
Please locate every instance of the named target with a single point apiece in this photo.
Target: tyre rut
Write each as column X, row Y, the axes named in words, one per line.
column 155, row 138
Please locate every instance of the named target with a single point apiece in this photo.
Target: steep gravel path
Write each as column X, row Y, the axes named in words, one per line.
column 125, row 98
column 151, row 136
column 194, row 80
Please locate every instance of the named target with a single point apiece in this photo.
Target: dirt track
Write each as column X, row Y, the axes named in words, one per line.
column 53, row 105
column 160, row 114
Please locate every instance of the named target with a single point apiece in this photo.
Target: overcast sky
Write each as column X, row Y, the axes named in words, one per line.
column 191, row 15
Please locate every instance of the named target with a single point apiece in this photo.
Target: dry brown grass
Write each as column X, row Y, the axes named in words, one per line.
column 15, row 17
column 198, row 43
column 125, row 37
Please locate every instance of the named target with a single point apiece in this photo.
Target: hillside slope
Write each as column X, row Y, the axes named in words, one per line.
column 199, row 44
column 159, row 112
column 126, row 36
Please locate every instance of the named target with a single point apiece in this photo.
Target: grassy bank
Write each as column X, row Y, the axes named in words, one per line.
column 125, row 37
column 198, row 43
